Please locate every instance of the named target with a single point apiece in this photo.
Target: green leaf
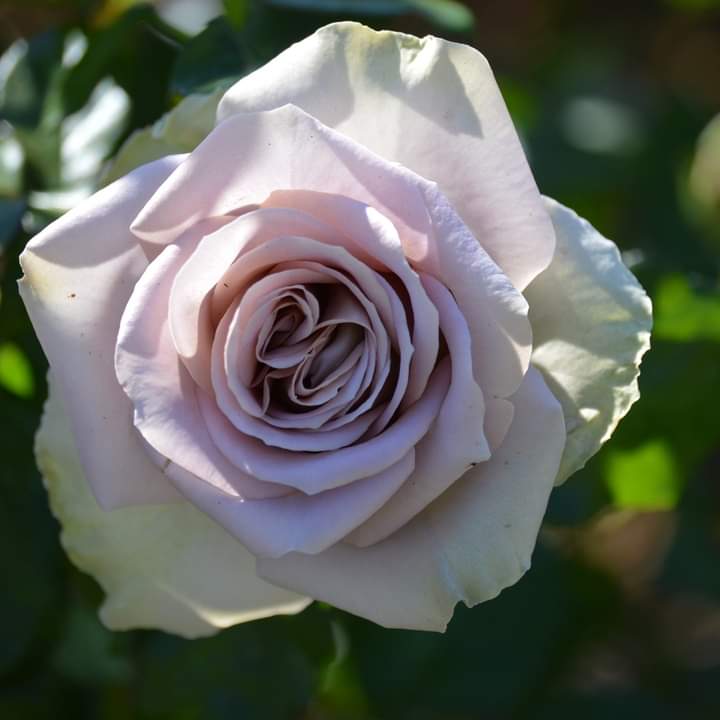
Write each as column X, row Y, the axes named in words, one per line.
column 209, row 59
column 643, row 478
column 237, row 11
column 15, row 372
column 447, row 14
column 89, row 135
column 347, row 7
column 86, row 654
column 682, row 315
column 10, row 215
column 27, row 71
column 137, row 50
column 12, row 159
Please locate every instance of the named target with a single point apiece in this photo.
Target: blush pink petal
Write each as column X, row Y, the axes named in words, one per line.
column 297, row 522
column 366, row 232
column 79, row 273
column 194, row 306
column 312, row 473
column 496, row 313
column 248, row 157
column 431, row 105
column 253, row 305
column 161, row 390
column 300, row 435
column 471, row 543
column 359, row 279
column 241, row 400
column 454, row 443
column 498, row 418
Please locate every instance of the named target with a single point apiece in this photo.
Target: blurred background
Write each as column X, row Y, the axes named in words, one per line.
column 620, row 615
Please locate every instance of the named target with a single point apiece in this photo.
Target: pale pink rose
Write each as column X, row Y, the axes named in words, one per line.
column 343, row 348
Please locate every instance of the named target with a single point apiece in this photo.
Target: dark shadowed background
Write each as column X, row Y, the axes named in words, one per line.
column 620, row 615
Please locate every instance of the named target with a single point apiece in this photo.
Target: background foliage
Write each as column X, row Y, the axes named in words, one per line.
column 620, row 615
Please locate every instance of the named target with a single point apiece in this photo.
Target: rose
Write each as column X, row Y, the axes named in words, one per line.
column 346, row 329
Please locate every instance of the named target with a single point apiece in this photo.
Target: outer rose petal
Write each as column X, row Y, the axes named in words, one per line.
column 431, row 105
column 79, row 274
column 591, row 323
column 472, row 542
column 163, row 566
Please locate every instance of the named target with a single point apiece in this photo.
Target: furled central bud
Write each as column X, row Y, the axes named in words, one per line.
column 309, row 350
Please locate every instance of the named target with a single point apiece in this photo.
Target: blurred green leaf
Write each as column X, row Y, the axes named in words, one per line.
column 681, row 314
column 237, row 11
column 340, row 693
column 86, row 652
column 32, row 593
column 643, row 478
column 12, row 159
column 210, row 58
column 15, row 372
column 347, row 7
column 10, row 214
column 447, row 14
column 703, row 181
column 498, row 660
column 678, row 383
column 89, row 135
column 138, row 51
column 27, row 71
column 265, row 670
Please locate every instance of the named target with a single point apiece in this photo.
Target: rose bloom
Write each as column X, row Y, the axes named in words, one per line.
column 331, row 343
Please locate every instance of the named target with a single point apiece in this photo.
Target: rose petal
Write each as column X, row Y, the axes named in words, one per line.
column 296, row 522
column 453, row 444
column 79, row 273
column 162, row 392
column 192, row 298
column 162, row 566
column 473, row 541
column 431, row 105
column 591, row 320
column 248, row 157
column 371, row 234
column 495, row 311
column 312, row 473
column 300, row 435
column 335, row 262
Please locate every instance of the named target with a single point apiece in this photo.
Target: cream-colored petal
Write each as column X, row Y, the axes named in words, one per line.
column 167, row 567
column 431, row 105
column 591, row 324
